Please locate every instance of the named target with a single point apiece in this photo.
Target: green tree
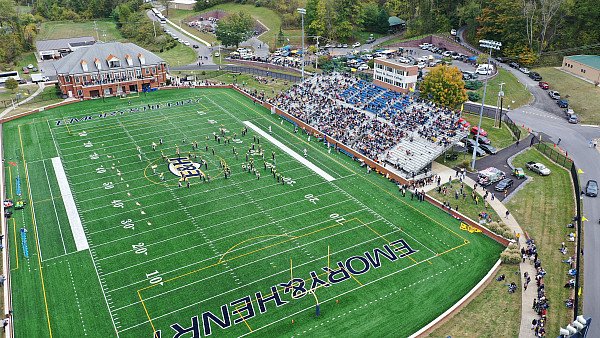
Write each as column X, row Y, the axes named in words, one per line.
column 235, row 29
column 444, row 85
column 11, row 84
column 468, row 12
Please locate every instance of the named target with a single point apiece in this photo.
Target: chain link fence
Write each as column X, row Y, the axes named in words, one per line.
column 553, row 153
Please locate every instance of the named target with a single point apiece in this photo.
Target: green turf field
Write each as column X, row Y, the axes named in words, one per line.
column 214, row 256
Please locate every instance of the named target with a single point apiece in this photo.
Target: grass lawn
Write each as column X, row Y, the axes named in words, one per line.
column 179, row 55
column 179, row 15
column 163, row 254
column 543, row 208
column 467, row 205
column 515, row 94
column 70, row 29
column 493, row 313
column 583, row 97
column 46, row 97
column 25, row 60
column 24, row 90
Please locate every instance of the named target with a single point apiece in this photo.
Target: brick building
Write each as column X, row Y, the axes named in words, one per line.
column 394, row 75
column 109, row 69
column 585, row 66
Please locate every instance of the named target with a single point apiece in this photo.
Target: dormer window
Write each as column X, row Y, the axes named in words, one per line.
column 84, row 65
column 98, row 64
column 142, row 58
column 113, row 61
column 129, row 60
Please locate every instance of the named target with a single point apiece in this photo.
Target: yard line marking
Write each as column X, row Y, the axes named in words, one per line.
column 290, row 152
column 14, row 221
column 72, row 214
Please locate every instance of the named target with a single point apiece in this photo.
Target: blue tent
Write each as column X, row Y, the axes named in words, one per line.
column 473, row 58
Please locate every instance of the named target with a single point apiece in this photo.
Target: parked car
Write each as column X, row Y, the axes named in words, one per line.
column 504, row 185
column 535, row 76
column 563, row 103
column 501, row 59
column 482, row 139
column 514, row 65
column 356, row 44
column 453, row 32
column 569, row 112
column 543, row 85
column 478, row 151
column 573, row 119
column 488, row 148
column 30, row 66
column 538, row 168
column 196, row 46
column 481, row 132
column 345, row 45
column 464, row 123
column 489, row 176
column 591, row 188
column 554, row 94
column 363, row 66
column 519, row 173
column 524, row 70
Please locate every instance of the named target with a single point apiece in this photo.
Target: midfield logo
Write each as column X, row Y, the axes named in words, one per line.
column 183, row 166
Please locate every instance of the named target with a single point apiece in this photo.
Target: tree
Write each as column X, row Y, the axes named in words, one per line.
column 11, row 84
column 235, row 29
column 444, row 85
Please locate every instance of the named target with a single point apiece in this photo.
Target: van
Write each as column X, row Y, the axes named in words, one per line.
column 485, row 69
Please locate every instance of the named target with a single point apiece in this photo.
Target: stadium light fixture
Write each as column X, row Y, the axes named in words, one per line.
column 489, row 44
column 302, row 12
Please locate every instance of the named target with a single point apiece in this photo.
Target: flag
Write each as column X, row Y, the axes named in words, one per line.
column 583, row 219
column 580, row 292
column 462, row 107
column 14, row 164
column 579, row 171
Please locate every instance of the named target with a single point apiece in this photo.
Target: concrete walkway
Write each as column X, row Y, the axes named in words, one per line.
column 41, row 87
column 527, row 296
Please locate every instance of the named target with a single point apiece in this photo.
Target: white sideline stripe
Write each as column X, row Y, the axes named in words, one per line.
column 292, row 153
column 74, row 221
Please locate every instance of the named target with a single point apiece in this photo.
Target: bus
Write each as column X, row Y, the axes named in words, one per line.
column 6, row 75
column 159, row 16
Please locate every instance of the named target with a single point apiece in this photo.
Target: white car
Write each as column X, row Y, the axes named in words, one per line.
column 368, row 56
column 363, row 66
column 403, row 59
column 424, row 45
column 421, row 65
column 356, row 45
column 453, row 32
column 524, row 70
column 187, row 43
column 447, row 53
column 217, row 54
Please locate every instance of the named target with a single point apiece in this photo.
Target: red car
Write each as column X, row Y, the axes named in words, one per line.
column 543, row 85
column 464, row 123
column 481, row 132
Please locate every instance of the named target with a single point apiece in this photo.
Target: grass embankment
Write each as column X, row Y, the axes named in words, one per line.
column 179, row 55
column 515, row 94
column 107, row 30
column 583, row 97
column 467, row 205
column 46, row 97
column 493, row 313
column 543, row 208
column 23, row 90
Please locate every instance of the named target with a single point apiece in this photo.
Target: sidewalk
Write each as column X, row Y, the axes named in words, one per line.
column 527, row 313
column 41, row 87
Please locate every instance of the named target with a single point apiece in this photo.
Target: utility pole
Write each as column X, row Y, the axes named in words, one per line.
column 490, row 44
column 96, row 29
column 500, row 98
column 154, row 27
column 317, row 60
column 302, row 12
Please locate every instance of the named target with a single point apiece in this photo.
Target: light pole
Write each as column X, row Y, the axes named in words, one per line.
column 501, row 97
column 302, row 12
column 490, row 44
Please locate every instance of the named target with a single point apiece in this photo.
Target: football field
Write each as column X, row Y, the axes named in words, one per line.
column 196, row 212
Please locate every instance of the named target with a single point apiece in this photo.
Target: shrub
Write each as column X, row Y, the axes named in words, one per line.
column 473, row 84
column 473, row 96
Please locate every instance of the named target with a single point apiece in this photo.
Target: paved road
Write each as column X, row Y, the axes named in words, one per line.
column 542, row 115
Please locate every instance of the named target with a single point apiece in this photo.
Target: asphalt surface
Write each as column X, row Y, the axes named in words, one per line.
column 543, row 116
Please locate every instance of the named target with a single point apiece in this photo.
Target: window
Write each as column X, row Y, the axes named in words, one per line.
column 114, row 63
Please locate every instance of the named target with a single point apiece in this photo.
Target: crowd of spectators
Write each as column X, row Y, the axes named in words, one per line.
column 336, row 105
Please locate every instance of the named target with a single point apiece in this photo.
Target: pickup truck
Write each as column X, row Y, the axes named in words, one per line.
column 538, row 168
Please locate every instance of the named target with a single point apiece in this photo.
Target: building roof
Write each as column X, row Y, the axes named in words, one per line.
column 45, row 45
column 103, row 52
column 184, row 2
column 592, row 61
column 395, row 21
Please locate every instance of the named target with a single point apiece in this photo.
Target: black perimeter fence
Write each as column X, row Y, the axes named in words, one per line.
column 551, row 151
